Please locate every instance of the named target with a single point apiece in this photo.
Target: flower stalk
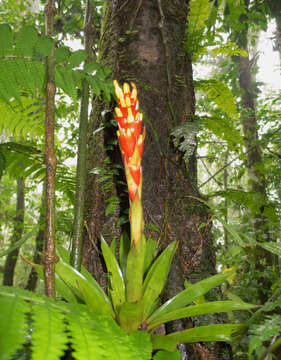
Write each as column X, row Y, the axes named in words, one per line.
column 131, row 140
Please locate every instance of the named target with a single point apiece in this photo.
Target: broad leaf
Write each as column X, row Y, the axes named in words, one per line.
column 186, row 296
column 206, row 308
column 130, row 316
column 220, row 332
column 88, row 291
column 156, row 277
column 167, row 355
column 116, row 286
column 134, row 270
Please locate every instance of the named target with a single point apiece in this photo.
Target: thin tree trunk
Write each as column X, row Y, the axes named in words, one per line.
column 143, row 41
column 50, row 159
column 39, row 245
column 12, row 257
column 254, row 152
column 89, row 36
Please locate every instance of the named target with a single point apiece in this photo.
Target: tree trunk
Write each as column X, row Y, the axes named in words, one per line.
column 11, row 261
column 254, row 152
column 144, row 42
column 39, row 245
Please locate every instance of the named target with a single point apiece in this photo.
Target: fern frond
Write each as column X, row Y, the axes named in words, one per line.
column 184, row 137
column 199, row 12
column 229, row 49
column 13, row 327
column 223, row 128
column 6, row 40
column 26, row 39
column 21, row 120
column 57, row 323
column 220, row 94
column 48, row 324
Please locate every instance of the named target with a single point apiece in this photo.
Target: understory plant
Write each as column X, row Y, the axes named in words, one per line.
column 120, row 322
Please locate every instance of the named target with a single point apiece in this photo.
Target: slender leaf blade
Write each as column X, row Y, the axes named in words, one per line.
column 218, row 332
column 156, row 277
column 200, row 309
column 186, row 296
column 117, row 286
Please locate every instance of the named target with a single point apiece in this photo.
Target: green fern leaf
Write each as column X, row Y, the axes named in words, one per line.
column 49, row 338
column 220, row 94
column 13, row 328
column 199, row 12
column 8, row 86
column 184, row 138
column 224, row 129
column 44, row 45
column 65, row 80
column 6, row 40
column 25, row 41
column 229, row 49
column 84, row 343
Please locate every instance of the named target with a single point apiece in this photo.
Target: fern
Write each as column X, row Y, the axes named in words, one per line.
column 13, row 328
column 48, row 323
column 55, row 324
column 184, row 138
column 220, row 94
column 224, row 129
column 229, row 49
column 199, row 12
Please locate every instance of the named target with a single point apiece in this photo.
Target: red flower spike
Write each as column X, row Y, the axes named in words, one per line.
column 129, row 135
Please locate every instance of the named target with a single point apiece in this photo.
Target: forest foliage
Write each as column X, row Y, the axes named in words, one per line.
column 43, row 328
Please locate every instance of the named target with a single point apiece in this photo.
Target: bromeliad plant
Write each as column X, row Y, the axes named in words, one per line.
column 136, row 281
column 135, row 284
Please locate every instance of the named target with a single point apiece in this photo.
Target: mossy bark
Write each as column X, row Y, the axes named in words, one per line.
column 144, row 42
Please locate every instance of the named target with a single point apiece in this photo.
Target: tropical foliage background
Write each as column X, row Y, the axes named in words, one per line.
column 234, row 140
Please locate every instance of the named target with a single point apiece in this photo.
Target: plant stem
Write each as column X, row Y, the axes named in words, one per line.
column 76, row 251
column 50, row 158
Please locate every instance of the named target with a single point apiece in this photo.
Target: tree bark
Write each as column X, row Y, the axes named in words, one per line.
column 76, row 253
column 253, row 151
column 144, row 42
column 11, row 260
column 49, row 257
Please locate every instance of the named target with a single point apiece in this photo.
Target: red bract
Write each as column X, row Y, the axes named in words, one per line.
column 130, row 139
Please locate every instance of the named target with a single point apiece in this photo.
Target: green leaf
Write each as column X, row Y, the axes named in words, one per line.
column 6, row 40
column 134, row 270
column 26, row 39
column 19, row 243
column 167, row 355
column 206, row 308
column 77, row 57
column 186, row 296
column 141, row 340
column 156, row 277
column 12, row 325
column 44, row 45
column 88, row 291
column 219, row 332
column 151, row 247
column 62, row 54
column 48, row 324
column 124, row 251
column 116, row 286
column 273, row 247
column 219, row 92
column 130, row 316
